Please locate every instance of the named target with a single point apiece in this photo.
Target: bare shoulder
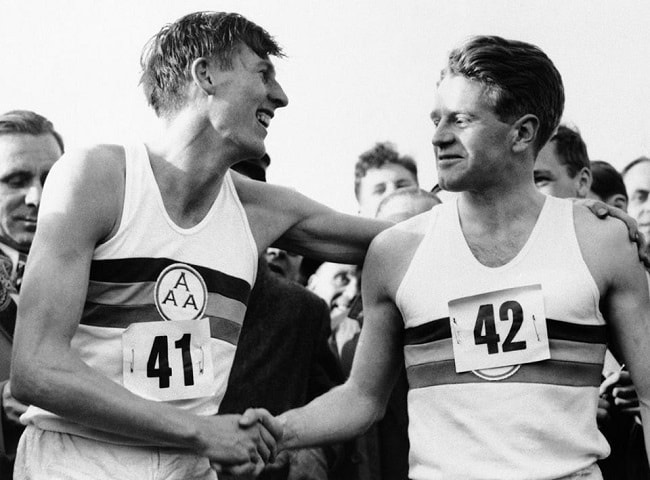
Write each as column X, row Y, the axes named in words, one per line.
column 87, row 183
column 391, row 251
column 604, row 244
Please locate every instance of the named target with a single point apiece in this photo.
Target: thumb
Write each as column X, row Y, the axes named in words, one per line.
column 249, row 418
column 609, row 383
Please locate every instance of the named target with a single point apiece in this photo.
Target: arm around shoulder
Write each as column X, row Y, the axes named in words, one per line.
column 294, row 222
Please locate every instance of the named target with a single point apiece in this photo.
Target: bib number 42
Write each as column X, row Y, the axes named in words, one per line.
column 485, row 329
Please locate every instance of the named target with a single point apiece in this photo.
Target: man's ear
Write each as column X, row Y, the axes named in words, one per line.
column 583, row 179
column 525, row 131
column 202, row 75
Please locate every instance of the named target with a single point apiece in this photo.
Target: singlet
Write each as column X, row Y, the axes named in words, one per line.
column 532, row 420
column 152, row 270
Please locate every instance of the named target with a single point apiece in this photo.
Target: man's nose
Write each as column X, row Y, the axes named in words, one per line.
column 277, row 96
column 33, row 195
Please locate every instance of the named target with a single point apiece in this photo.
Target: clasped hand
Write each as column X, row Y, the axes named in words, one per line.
column 244, row 444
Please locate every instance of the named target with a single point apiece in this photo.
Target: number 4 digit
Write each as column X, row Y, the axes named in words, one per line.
column 485, row 321
column 159, row 355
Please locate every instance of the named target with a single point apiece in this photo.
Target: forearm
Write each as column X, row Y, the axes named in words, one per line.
column 66, row 386
column 341, row 414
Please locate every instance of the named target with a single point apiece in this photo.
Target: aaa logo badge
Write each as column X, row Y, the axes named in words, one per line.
column 180, row 293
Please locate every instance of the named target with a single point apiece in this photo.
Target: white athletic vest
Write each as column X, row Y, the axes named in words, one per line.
column 529, row 421
column 151, row 271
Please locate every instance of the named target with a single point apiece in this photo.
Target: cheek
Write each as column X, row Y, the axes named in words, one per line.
column 9, row 205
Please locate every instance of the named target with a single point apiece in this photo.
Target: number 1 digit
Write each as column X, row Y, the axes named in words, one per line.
column 188, row 372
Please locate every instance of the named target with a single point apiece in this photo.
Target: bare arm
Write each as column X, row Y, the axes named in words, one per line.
column 294, row 222
column 81, row 203
column 350, row 409
column 626, row 306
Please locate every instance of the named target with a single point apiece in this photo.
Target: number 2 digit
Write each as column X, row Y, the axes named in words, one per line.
column 517, row 320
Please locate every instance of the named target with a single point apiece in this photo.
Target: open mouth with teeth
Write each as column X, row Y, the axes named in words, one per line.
column 264, row 118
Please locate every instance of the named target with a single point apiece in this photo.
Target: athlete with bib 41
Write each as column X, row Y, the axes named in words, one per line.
column 142, row 265
column 500, row 303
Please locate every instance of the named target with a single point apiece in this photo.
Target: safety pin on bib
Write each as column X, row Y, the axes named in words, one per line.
column 535, row 325
column 455, row 331
column 202, row 361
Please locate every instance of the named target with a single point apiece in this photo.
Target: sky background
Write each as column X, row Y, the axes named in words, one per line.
column 356, row 72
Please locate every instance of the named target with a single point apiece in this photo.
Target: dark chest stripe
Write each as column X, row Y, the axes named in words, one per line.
column 109, row 316
column 553, row 372
column 557, row 329
column 133, row 270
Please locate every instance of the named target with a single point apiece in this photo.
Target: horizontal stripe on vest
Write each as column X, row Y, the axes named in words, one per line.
column 142, row 293
column 133, row 270
column 550, row 372
column 566, row 350
column 440, row 330
column 121, row 317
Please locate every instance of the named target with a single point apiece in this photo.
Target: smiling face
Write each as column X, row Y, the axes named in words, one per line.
column 25, row 161
column 335, row 283
column 471, row 143
column 244, row 101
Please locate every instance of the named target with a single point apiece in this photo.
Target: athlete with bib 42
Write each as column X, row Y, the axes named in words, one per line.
column 500, row 303
column 142, row 266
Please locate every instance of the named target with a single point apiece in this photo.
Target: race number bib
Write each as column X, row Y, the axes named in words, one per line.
column 168, row 360
column 497, row 329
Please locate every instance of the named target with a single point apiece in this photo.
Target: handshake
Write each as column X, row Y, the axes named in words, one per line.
column 241, row 445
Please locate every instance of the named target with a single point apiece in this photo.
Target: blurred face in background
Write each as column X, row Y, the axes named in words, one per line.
column 552, row 176
column 25, row 161
column 637, row 184
column 285, row 264
column 380, row 182
column 335, row 283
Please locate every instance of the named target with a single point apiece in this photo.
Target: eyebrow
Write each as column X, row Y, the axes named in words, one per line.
column 268, row 64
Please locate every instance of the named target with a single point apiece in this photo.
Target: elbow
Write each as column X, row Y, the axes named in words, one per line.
column 374, row 411
column 26, row 386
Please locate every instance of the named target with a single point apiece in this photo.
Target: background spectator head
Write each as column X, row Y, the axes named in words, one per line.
column 335, row 283
column 286, row 264
column 406, row 203
column 519, row 79
column 380, row 171
column 167, row 58
column 636, row 176
column 607, row 185
column 29, row 146
column 562, row 167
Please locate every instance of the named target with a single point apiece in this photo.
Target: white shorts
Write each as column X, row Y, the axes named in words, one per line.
column 45, row 455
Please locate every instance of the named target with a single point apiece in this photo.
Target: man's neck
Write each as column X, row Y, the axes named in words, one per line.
column 189, row 163
column 496, row 225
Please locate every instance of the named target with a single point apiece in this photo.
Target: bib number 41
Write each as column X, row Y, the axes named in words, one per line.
column 158, row 363
column 169, row 360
